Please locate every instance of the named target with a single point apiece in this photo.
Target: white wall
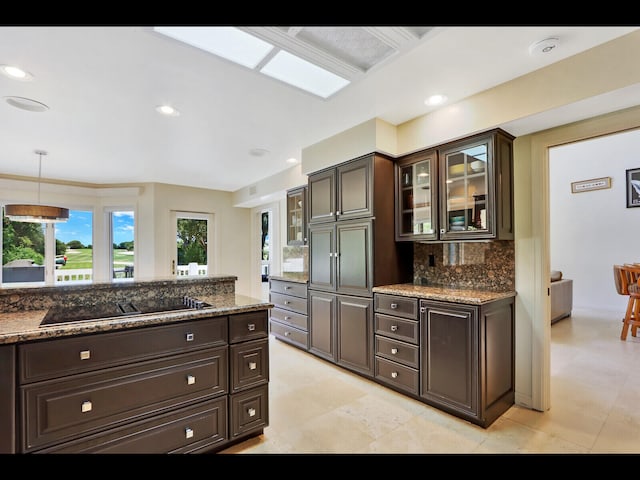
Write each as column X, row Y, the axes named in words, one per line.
column 591, row 231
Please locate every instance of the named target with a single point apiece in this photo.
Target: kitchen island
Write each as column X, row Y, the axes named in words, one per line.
column 180, row 381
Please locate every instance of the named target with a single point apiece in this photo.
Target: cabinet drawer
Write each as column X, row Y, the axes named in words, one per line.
column 406, row 307
column 248, row 326
column 290, row 318
column 249, row 364
column 289, row 334
column 397, row 375
column 249, row 411
column 185, row 429
column 288, row 288
column 64, row 409
column 400, row 352
column 65, row 356
column 395, row 327
column 288, row 302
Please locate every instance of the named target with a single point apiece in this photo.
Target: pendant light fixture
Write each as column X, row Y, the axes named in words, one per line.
column 36, row 213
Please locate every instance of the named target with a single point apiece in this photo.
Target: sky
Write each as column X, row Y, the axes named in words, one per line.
column 79, row 227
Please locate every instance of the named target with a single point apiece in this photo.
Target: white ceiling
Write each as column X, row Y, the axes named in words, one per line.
column 102, row 85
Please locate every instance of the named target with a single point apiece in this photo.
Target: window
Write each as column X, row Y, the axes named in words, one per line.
column 48, row 253
column 193, row 231
column 122, row 241
column 74, row 248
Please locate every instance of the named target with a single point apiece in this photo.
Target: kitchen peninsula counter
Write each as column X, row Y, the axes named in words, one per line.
column 174, row 376
column 24, row 325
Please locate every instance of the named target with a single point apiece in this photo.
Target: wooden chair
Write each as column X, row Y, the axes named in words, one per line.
column 627, row 280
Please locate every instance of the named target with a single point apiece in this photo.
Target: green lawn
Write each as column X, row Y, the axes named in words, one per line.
column 82, row 258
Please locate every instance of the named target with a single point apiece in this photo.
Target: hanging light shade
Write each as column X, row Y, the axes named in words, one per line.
column 36, row 213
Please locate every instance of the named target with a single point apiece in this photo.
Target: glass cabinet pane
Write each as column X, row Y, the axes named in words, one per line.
column 416, row 198
column 466, row 189
column 295, row 217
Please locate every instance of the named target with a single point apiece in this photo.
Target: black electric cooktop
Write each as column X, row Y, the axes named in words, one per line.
column 57, row 315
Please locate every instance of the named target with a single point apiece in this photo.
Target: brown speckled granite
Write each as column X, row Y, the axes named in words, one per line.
column 42, row 298
column 25, row 325
column 481, row 265
column 444, row 293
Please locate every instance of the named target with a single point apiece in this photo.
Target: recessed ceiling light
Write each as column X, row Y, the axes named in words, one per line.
column 15, row 73
column 435, row 100
column 258, row 152
column 292, row 160
column 167, row 110
column 26, row 104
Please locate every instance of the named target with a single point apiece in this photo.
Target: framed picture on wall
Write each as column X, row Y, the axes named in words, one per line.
column 633, row 187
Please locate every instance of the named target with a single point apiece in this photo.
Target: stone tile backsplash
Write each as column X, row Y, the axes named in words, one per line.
column 487, row 265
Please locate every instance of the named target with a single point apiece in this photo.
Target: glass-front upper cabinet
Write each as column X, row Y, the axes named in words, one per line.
column 297, row 216
column 416, row 201
column 476, row 187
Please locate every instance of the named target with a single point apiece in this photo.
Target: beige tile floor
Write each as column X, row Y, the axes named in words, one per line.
column 315, row 407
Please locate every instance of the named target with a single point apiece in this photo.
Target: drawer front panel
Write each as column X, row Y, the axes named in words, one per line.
column 64, row 409
column 400, row 352
column 294, row 319
column 65, row 356
column 290, row 334
column 249, row 411
column 288, row 288
column 249, row 364
column 248, row 326
column 289, row 303
column 187, row 428
column 406, row 307
column 398, row 328
column 400, row 376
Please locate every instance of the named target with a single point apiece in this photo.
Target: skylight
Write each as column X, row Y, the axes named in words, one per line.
column 226, row 42
column 250, row 51
column 302, row 74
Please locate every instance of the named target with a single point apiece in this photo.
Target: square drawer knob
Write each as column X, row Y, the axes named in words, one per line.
column 251, row 412
column 253, row 365
column 191, row 379
column 188, row 433
column 86, row 406
column 251, row 327
column 190, row 337
column 85, row 354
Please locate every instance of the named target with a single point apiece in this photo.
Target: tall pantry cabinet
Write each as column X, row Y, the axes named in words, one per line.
column 352, row 249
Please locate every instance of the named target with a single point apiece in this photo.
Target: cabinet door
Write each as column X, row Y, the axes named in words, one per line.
column 355, row 189
column 322, row 308
column 321, row 194
column 296, row 216
column 449, row 359
column 354, row 320
column 7, row 399
column 322, row 260
column 354, row 257
column 416, row 200
column 466, row 186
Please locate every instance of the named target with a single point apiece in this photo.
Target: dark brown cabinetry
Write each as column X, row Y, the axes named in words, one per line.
column 181, row 387
column 343, row 192
column 397, row 359
column 462, row 190
column 341, row 330
column 467, row 358
column 351, row 250
column 288, row 320
column 297, row 216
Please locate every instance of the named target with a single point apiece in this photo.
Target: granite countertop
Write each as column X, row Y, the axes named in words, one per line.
column 444, row 293
column 24, row 325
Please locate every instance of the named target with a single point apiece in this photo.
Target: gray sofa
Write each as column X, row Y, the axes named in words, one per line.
column 561, row 293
